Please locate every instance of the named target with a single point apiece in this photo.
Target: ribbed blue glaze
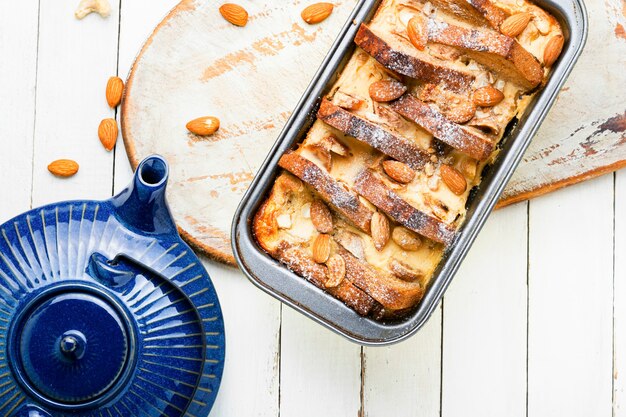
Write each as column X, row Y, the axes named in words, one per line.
column 105, row 311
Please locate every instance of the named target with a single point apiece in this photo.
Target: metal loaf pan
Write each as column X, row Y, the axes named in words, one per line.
column 275, row 279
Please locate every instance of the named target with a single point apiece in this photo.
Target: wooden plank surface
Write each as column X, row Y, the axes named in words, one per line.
column 18, row 81
column 484, row 328
column 570, row 285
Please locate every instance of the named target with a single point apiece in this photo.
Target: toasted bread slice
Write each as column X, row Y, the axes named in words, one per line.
column 302, row 264
column 502, row 54
column 383, row 197
column 396, row 146
column 459, row 137
column 479, row 12
column 398, row 55
column 391, row 292
column 329, row 189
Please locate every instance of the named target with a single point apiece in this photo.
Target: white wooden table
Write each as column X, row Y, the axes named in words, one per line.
column 534, row 324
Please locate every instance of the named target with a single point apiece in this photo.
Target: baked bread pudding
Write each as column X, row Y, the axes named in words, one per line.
column 366, row 204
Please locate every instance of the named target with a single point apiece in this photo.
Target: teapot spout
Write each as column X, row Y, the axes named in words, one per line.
column 142, row 204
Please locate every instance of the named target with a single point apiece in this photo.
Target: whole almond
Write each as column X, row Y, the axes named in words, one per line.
column 317, row 12
column 321, row 248
column 336, row 271
column 386, row 90
column 461, row 112
column 107, row 133
column 204, row 126
column 63, row 167
column 553, row 50
column 469, row 167
column 405, row 238
column 403, row 271
column 453, row 179
column 321, row 217
column 417, row 29
column 234, row 13
column 487, row 96
column 398, row 171
column 380, row 230
column 114, row 91
column 515, row 24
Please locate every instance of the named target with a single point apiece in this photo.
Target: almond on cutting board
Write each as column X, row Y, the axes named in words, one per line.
column 107, row 133
column 63, row 167
column 114, row 91
column 234, row 14
column 204, row 126
column 317, row 12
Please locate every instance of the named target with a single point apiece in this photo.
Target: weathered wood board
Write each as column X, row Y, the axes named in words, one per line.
column 196, row 64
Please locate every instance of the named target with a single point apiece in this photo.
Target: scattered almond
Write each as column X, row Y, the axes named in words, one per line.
column 405, row 238
column 553, row 50
column 386, row 90
column 380, row 230
column 321, row 217
column 85, row 7
column 515, row 24
column 234, row 14
column 107, row 132
column 398, row 171
column 114, row 91
column 487, row 96
column 317, row 12
column 323, row 155
column 321, row 248
column 433, row 183
column 63, row 167
column 403, row 271
column 336, row 271
column 351, row 242
column 453, row 179
column 417, row 29
column 204, row 126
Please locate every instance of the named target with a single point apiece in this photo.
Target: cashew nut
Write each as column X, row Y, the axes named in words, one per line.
column 102, row 7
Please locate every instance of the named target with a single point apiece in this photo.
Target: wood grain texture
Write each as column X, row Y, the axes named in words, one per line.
column 17, row 107
column 205, row 66
column 570, row 286
column 484, row 329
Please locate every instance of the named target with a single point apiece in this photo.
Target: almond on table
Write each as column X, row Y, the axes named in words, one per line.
column 114, row 91
column 107, row 133
column 63, row 167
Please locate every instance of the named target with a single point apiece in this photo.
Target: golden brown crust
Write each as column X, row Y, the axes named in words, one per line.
column 391, row 292
column 502, row 54
column 383, row 197
column 480, row 12
column 475, row 145
column 297, row 260
column 420, row 67
column 329, row 189
column 396, row 146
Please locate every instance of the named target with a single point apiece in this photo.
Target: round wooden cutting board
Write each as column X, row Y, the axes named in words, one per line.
column 197, row 64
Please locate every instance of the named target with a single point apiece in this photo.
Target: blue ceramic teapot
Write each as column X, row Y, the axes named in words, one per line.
column 105, row 311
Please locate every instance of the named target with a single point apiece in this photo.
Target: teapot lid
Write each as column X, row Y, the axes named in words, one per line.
column 105, row 311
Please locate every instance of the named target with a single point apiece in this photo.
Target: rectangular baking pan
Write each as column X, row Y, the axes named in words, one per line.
column 295, row 291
